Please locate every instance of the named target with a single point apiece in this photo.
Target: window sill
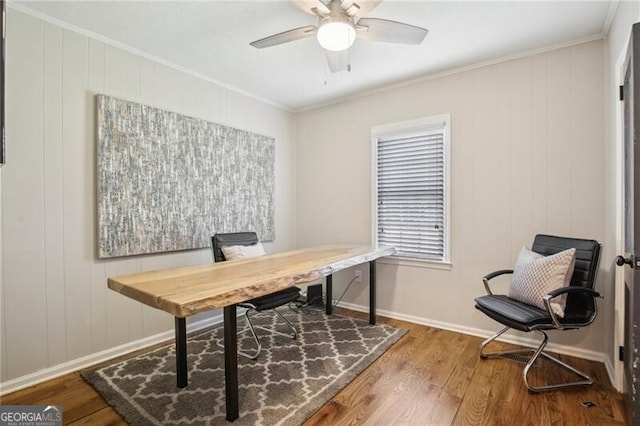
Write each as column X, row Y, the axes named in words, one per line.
column 416, row 263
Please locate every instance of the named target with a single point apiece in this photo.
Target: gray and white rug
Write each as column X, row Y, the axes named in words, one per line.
column 289, row 381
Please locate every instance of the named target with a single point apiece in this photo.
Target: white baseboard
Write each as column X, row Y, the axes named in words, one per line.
column 610, row 371
column 523, row 341
column 89, row 360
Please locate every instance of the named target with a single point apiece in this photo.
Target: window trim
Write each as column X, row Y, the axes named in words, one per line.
column 407, row 126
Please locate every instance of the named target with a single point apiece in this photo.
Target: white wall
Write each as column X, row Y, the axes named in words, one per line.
column 529, row 140
column 55, row 304
column 616, row 46
column 527, row 157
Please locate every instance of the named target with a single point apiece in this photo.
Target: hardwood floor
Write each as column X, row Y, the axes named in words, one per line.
column 430, row 377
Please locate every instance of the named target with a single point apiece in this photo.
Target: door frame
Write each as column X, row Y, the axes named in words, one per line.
column 625, row 373
column 619, row 290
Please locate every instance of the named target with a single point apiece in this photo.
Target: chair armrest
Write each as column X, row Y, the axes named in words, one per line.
column 492, row 275
column 564, row 290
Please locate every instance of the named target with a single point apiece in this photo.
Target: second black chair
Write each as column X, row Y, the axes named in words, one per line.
column 269, row 302
column 580, row 310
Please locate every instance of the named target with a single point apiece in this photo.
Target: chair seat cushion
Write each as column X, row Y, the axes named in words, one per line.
column 273, row 300
column 512, row 313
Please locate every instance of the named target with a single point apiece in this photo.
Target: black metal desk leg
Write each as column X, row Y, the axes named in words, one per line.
column 372, row 292
column 181, row 352
column 231, row 362
column 329, row 291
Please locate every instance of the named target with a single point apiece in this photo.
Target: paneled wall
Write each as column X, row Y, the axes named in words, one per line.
column 55, row 304
column 527, row 144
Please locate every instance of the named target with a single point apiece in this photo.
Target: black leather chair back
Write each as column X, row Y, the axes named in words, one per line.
column 231, row 239
column 579, row 306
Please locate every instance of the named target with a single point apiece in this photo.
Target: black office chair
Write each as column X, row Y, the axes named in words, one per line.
column 259, row 304
column 580, row 310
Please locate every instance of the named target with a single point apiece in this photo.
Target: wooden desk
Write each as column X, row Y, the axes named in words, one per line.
column 189, row 290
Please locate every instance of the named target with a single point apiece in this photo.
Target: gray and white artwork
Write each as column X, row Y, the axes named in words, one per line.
column 168, row 182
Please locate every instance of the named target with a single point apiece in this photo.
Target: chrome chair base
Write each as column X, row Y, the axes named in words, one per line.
column 252, row 328
column 536, row 353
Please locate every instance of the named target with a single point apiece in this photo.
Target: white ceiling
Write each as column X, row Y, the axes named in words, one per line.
column 212, row 38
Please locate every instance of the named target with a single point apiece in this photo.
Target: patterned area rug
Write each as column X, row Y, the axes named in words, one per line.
column 286, row 385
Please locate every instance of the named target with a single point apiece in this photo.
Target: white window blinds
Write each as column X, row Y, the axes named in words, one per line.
column 411, row 204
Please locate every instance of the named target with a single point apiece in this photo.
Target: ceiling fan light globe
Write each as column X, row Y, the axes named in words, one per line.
column 336, row 36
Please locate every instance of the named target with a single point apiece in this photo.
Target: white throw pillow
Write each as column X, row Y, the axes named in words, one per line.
column 242, row 252
column 536, row 275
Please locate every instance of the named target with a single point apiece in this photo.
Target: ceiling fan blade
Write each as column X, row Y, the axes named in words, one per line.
column 285, row 37
column 390, row 31
column 338, row 61
column 308, row 6
column 359, row 7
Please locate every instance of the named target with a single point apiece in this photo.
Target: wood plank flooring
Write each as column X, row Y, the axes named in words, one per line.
column 430, row 377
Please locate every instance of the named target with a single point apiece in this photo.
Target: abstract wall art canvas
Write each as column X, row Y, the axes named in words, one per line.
column 168, row 182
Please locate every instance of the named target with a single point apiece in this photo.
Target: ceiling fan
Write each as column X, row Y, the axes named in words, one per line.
column 339, row 23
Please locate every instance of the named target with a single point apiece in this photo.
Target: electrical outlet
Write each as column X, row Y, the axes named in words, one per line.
column 358, row 275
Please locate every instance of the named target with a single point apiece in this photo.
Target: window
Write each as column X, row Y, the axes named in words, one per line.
column 411, row 190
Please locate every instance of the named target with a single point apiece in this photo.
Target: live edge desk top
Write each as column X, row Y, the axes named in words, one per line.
column 186, row 291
